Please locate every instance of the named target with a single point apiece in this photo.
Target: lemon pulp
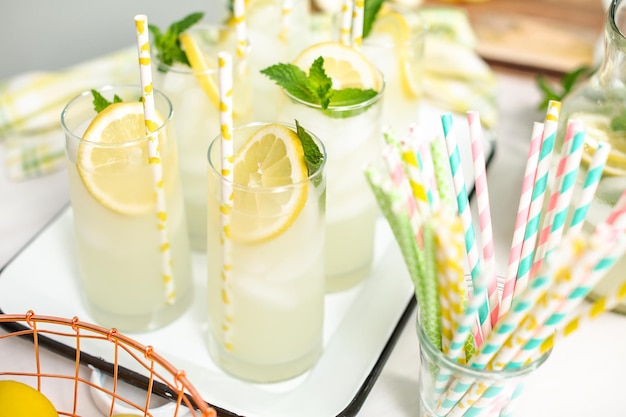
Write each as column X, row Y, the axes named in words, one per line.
column 117, row 175
column 346, row 66
column 272, row 162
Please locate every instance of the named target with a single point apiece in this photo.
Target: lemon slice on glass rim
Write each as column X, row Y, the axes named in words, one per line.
column 272, row 161
column 113, row 159
column 346, row 66
column 395, row 25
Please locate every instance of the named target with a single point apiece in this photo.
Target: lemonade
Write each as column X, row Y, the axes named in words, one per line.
column 396, row 45
column 266, row 311
column 352, row 136
column 194, row 95
column 273, row 40
column 119, row 257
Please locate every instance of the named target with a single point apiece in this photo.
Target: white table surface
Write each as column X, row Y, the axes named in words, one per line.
column 583, row 377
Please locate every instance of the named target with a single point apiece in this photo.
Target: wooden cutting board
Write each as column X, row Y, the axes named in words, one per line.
column 548, row 36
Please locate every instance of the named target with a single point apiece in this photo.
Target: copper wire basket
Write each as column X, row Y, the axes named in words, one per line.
column 152, row 384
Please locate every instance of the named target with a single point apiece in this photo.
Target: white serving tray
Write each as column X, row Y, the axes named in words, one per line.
column 360, row 329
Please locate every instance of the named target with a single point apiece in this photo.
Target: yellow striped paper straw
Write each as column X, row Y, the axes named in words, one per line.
column 239, row 15
column 358, row 11
column 345, row 31
column 145, row 72
column 408, row 153
column 285, row 20
column 225, row 71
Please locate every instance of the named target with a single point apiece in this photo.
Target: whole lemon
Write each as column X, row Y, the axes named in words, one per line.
column 21, row 400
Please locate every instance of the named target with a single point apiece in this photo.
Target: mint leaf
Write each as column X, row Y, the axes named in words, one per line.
column 316, row 87
column 351, row 96
column 100, row 103
column 370, row 11
column 312, row 155
column 167, row 44
column 554, row 91
column 319, row 82
column 292, row 79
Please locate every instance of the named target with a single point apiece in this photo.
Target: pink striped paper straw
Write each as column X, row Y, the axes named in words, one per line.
column 145, row 72
column 484, row 211
column 571, row 153
column 458, row 180
column 521, row 219
column 225, row 72
column 590, row 185
column 345, row 31
column 539, row 190
column 358, row 11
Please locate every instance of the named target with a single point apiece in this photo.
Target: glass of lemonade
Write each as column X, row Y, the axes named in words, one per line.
column 352, row 136
column 396, row 45
column 274, row 40
column 119, row 246
column 194, row 95
column 266, row 307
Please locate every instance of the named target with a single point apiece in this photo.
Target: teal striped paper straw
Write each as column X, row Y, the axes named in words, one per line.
column 566, row 184
column 539, row 190
column 590, row 185
column 463, row 207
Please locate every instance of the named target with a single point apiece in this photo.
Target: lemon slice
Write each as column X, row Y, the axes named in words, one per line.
column 201, row 67
column 112, row 174
column 346, row 66
column 272, row 157
column 597, row 129
column 395, row 25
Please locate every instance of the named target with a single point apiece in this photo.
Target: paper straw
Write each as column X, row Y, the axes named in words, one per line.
column 590, row 312
column 463, row 207
column 521, row 219
column 590, row 185
column 484, row 211
column 442, row 171
column 358, row 10
column 539, row 189
column 416, row 181
column 571, row 152
column 455, row 396
column 225, row 71
column 239, row 15
column 425, row 161
column 345, row 31
column 285, row 19
column 145, row 68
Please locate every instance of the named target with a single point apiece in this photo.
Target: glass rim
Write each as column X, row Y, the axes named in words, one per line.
column 612, row 16
column 466, row 371
column 87, row 93
column 184, row 70
column 277, row 189
column 339, row 109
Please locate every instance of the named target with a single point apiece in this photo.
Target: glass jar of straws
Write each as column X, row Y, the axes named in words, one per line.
column 599, row 105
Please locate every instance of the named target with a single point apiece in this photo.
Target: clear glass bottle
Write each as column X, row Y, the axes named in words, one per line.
column 599, row 104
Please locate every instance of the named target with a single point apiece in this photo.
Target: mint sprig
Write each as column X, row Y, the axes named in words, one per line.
column 167, row 44
column 100, row 103
column 312, row 155
column 370, row 12
column 316, row 86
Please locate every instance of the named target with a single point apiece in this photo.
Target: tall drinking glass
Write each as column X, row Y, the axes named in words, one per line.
column 396, row 45
column 266, row 310
column 195, row 98
column 119, row 246
column 352, row 136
